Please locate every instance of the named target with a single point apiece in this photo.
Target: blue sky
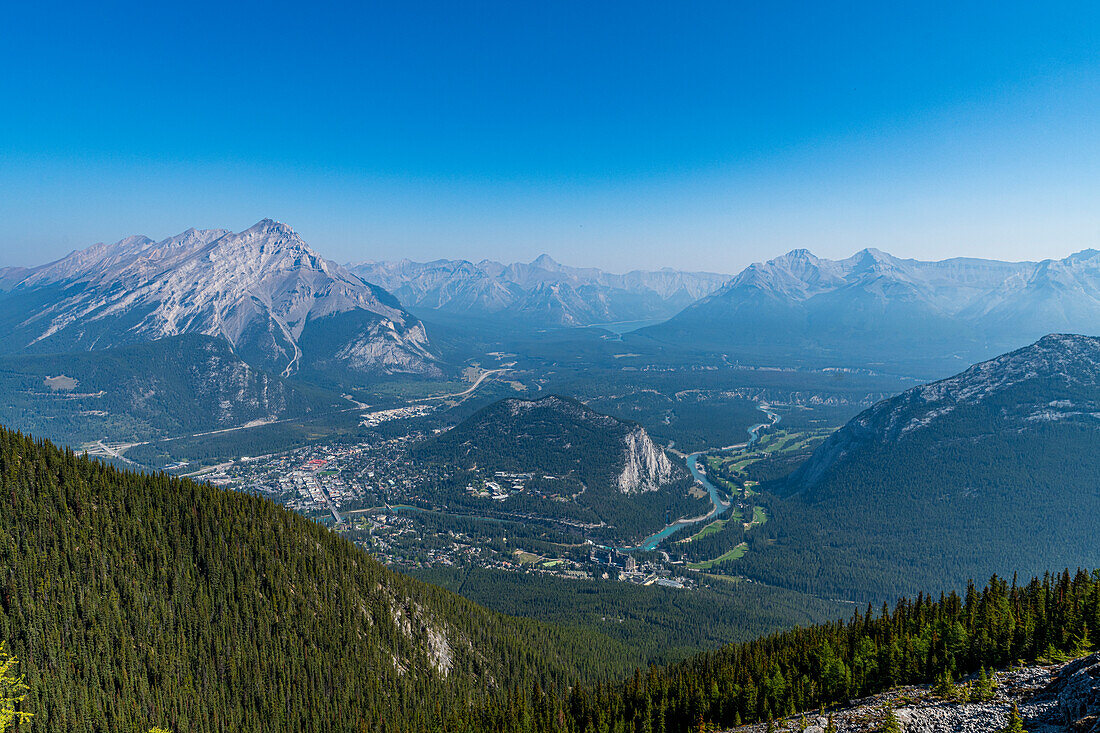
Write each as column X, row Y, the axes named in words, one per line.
column 697, row 135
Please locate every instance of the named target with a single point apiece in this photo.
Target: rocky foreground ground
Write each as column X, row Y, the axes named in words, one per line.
column 1057, row 698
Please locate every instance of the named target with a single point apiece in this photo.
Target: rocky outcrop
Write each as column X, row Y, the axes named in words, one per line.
column 646, row 467
column 1077, row 690
column 258, row 289
column 1056, row 699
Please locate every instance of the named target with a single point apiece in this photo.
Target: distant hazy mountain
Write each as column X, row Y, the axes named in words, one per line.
column 610, row 467
column 263, row 290
column 994, row 470
column 873, row 306
column 541, row 292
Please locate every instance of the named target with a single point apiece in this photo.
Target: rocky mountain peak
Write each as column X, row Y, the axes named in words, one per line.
column 546, row 262
column 258, row 289
column 1065, row 366
column 1054, row 380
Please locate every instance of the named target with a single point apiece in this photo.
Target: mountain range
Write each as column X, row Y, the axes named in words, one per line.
column 993, row 470
column 263, row 290
column 286, row 309
column 874, row 307
column 542, row 292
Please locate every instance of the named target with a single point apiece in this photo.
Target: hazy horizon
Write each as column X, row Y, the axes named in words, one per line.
column 506, row 261
column 625, row 136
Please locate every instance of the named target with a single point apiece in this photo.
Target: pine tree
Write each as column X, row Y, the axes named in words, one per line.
column 964, row 694
column 1015, row 723
column 890, row 723
column 983, row 687
column 12, row 690
column 1083, row 645
column 945, row 685
column 831, row 726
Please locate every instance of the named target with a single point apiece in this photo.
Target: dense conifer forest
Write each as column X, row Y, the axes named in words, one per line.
column 136, row 601
column 916, row 641
column 972, row 494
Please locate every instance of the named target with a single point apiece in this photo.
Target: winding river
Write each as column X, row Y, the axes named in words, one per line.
column 719, row 506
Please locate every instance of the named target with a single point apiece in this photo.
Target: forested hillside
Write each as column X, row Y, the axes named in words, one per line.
column 917, row 641
column 165, row 388
column 995, row 470
column 135, row 601
column 584, row 465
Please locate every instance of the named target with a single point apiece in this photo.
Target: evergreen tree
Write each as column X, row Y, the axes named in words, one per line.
column 945, row 685
column 1083, row 646
column 890, row 722
column 983, row 687
column 1015, row 723
column 13, row 690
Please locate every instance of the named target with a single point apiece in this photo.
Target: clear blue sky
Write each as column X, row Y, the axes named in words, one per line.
column 634, row 134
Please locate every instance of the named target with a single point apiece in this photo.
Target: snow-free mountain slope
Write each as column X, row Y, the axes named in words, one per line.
column 165, row 592
column 1055, row 380
column 260, row 289
column 171, row 387
column 561, row 435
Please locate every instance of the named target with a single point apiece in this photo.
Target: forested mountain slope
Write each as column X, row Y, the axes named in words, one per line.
column 609, row 467
column 135, row 601
column 994, row 470
column 170, row 387
column 916, row 641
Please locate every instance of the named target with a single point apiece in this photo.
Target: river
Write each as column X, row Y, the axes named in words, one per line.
column 719, row 506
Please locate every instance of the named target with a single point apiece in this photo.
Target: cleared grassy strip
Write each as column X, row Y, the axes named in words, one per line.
column 712, row 528
column 759, row 516
column 734, row 554
column 527, row 558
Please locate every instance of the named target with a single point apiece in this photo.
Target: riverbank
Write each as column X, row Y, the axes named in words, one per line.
column 720, row 506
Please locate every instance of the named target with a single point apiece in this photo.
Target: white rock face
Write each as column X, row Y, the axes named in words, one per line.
column 646, row 468
column 264, row 280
